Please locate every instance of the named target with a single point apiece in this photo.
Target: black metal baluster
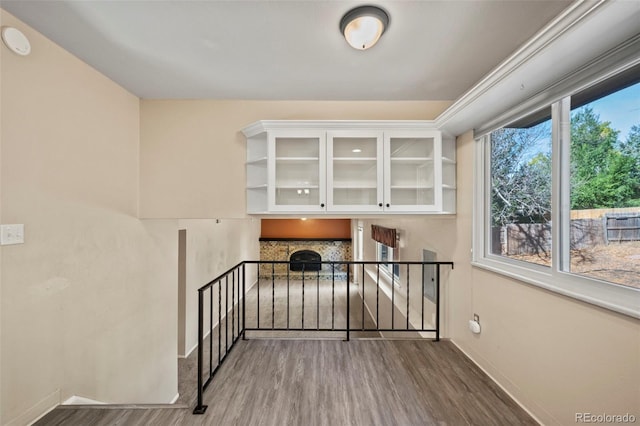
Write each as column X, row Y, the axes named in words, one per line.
column 233, row 306
column 303, row 296
column 238, row 300
column 422, row 297
column 408, row 285
column 378, row 298
column 438, row 303
column 273, row 295
column 219, row 321
column 244, row 298
column 288, row 274
column 258, row 298
column 200, row 408
column 210, row 331
column 333, row 295
column 393, row 298
column 226, row 315
column 348, row 307
column 362, row 328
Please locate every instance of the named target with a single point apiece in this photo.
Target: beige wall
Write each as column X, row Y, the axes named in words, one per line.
column 1, row 313
column 435, row 233
column 556, row 355
column 213, row 247
column 193, row 152
column 88, row 302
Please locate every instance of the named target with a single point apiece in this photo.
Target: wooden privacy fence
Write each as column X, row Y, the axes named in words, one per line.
column 535, row 238
column 522, row 238
column 622, row 227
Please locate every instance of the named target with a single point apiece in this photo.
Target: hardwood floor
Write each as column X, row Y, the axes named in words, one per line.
column 325, row 304
column 321, row 382
column 330, row 382
column 187, row 368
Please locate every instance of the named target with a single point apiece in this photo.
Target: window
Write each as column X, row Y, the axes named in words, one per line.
column 604, row 187
column 521, row 190
column 558, row 195
column 386, row 254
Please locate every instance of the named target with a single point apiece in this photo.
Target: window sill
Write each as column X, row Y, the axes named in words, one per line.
column 617, row 298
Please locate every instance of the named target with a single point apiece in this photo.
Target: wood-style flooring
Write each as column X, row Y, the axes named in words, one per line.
column 331, row 382
column 332, row 299
column 319, row 382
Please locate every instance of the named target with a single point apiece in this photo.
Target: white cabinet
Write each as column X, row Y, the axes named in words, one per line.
column 355, row 171
column 347, row 167
column 296, row 168
column 413, row 171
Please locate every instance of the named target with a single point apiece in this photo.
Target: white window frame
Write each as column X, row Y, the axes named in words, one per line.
column 391, row 258
column 557, row 278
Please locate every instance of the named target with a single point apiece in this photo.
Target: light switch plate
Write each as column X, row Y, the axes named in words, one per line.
column 11, row 234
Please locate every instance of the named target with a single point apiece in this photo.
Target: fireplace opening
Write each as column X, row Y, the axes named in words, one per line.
column 306, row 259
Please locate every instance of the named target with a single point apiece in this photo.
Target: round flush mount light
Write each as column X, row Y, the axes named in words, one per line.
column 363, row 26
column 15, row 40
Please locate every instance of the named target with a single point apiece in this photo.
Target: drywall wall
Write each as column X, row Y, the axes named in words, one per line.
column 88, row 301
column 192, row 152
column 1, row 405
column 432, row 232
column 212, row 247
column 308, row 228
column 556, row 355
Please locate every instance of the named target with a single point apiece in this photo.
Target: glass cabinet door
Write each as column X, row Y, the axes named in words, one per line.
column 298, row 172
column 411, row 171
column 354, row 171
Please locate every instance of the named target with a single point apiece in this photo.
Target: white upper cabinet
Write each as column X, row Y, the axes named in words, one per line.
column 347, row 167
column 354, row 171
column 296, row 171
column 412, row 175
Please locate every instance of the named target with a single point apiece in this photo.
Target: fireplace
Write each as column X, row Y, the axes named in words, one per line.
column 325, row 250
column 307, row 259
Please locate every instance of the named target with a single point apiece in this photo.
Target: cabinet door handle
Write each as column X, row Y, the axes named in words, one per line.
column 379, row 204
column 322, row 205
column 388, row 205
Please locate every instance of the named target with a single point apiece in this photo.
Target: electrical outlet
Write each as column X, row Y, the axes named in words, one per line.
column 11, row 234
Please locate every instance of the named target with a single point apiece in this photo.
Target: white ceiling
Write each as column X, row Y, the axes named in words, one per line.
column 432, row 50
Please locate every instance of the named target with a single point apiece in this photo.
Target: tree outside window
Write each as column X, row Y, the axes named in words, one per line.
column 603, row 190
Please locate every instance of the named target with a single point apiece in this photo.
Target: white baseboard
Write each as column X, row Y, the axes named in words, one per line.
column 38, row 411
column 175, row 398
column 80, row 400
column 196, row 345
column 511, row 395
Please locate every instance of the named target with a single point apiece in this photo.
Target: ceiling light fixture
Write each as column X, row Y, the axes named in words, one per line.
column 363, row 26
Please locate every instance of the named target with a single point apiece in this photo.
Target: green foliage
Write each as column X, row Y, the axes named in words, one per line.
column 631, row 148
column 605, row 172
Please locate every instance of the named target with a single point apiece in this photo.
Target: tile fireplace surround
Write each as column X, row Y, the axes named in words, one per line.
column 282, row 248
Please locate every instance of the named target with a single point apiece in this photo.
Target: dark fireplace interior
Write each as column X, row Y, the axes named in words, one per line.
column 305, row 259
